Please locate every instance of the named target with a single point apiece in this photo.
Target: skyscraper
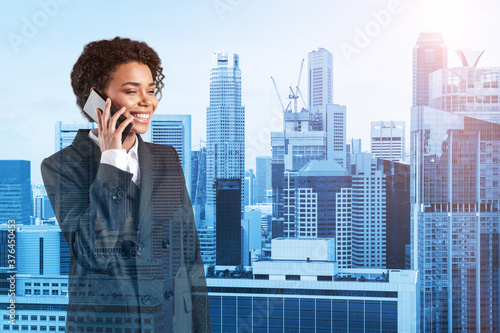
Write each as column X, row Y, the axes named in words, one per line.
column 228, row 221
column 174, row 130
column 368, row 213
column 15, row 191
column 320, row 80
column 262, row 178
column 388, row 140
column 225, row 126
column 398, row 211
column 314, row 134
column 429, row 54
column 65, row 133
column 199, row 182
column 316, row 186
column 249, row 194
column 455, row 199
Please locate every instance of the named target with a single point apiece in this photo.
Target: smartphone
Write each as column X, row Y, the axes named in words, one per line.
column 97, row 100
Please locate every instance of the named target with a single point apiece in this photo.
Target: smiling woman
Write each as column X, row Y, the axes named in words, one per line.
column 123, row 207
column 133, row 91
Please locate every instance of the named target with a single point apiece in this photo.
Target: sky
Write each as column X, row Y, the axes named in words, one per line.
column 371, row 42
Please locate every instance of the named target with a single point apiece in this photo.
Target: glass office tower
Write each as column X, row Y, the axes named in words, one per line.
column 456, row 197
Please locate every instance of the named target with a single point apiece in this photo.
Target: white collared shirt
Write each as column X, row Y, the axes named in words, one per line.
column 121, row 159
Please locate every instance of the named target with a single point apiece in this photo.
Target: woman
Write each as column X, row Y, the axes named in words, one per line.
column 123, row 207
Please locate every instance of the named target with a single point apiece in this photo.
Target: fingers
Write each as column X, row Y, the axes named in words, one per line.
column 123, row 125
column 114, row 119
column 105, row 116
column 99, row 120
column 109, row 135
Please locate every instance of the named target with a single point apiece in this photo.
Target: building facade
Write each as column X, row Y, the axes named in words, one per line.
column 228, row 221
column 388, row 140
column 174, row 130
column 225, row 126
column 343, row 227
column 15, row 191
column 263, row 185
column 455, row 199
column 368, row 213
column 301, row 289
column 429, row 54
column 316, row 186
column 65, row 133
column 320, row 80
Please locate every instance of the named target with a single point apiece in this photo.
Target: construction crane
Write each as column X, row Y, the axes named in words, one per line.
column 298, row 85
column 279, row 97
column 295, row 94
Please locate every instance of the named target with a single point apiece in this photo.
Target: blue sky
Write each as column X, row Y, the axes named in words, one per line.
column 372, row 75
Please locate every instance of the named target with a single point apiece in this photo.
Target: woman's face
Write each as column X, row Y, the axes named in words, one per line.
column 132, row 87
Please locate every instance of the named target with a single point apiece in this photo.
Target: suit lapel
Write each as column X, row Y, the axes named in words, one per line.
column 145, row 197
column 89, row 151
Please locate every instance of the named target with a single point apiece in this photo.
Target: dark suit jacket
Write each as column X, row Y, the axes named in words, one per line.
column 135, row 256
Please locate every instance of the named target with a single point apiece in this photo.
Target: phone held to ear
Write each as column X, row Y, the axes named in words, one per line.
column 97, row 100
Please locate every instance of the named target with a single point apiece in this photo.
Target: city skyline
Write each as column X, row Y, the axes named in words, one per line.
column 186, row 36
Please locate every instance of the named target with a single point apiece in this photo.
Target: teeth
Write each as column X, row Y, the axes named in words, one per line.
column 141, row 115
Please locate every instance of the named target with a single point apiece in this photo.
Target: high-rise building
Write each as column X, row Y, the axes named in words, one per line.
column 206, row 235
column 65, row 133
column 315, row 134
column 343, row 227
column 455, row 202
column 174, row 130
column 429, row 54
column 15, row 191
column 262, row 178
column 397, row 203
column 249, row 188
column 320, row 80
column 316, row 186
column 42, row 208
column 225, row 126
column 251, row 234
column 199, row 183
column 388, row 140
column 336, row 133
column 368, row 213
column 228, row 221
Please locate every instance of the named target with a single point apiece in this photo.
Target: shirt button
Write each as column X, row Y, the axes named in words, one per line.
column 168, row 295
column 146, row 299
column 165, row 243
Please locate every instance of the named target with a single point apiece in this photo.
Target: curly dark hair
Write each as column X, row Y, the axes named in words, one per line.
column 100, row 59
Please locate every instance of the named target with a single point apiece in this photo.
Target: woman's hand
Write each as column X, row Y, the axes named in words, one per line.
column 109, row 136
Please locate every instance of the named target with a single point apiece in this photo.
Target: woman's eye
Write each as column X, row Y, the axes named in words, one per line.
column 130, row 92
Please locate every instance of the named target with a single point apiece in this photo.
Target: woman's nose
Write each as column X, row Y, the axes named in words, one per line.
column 145, row 99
